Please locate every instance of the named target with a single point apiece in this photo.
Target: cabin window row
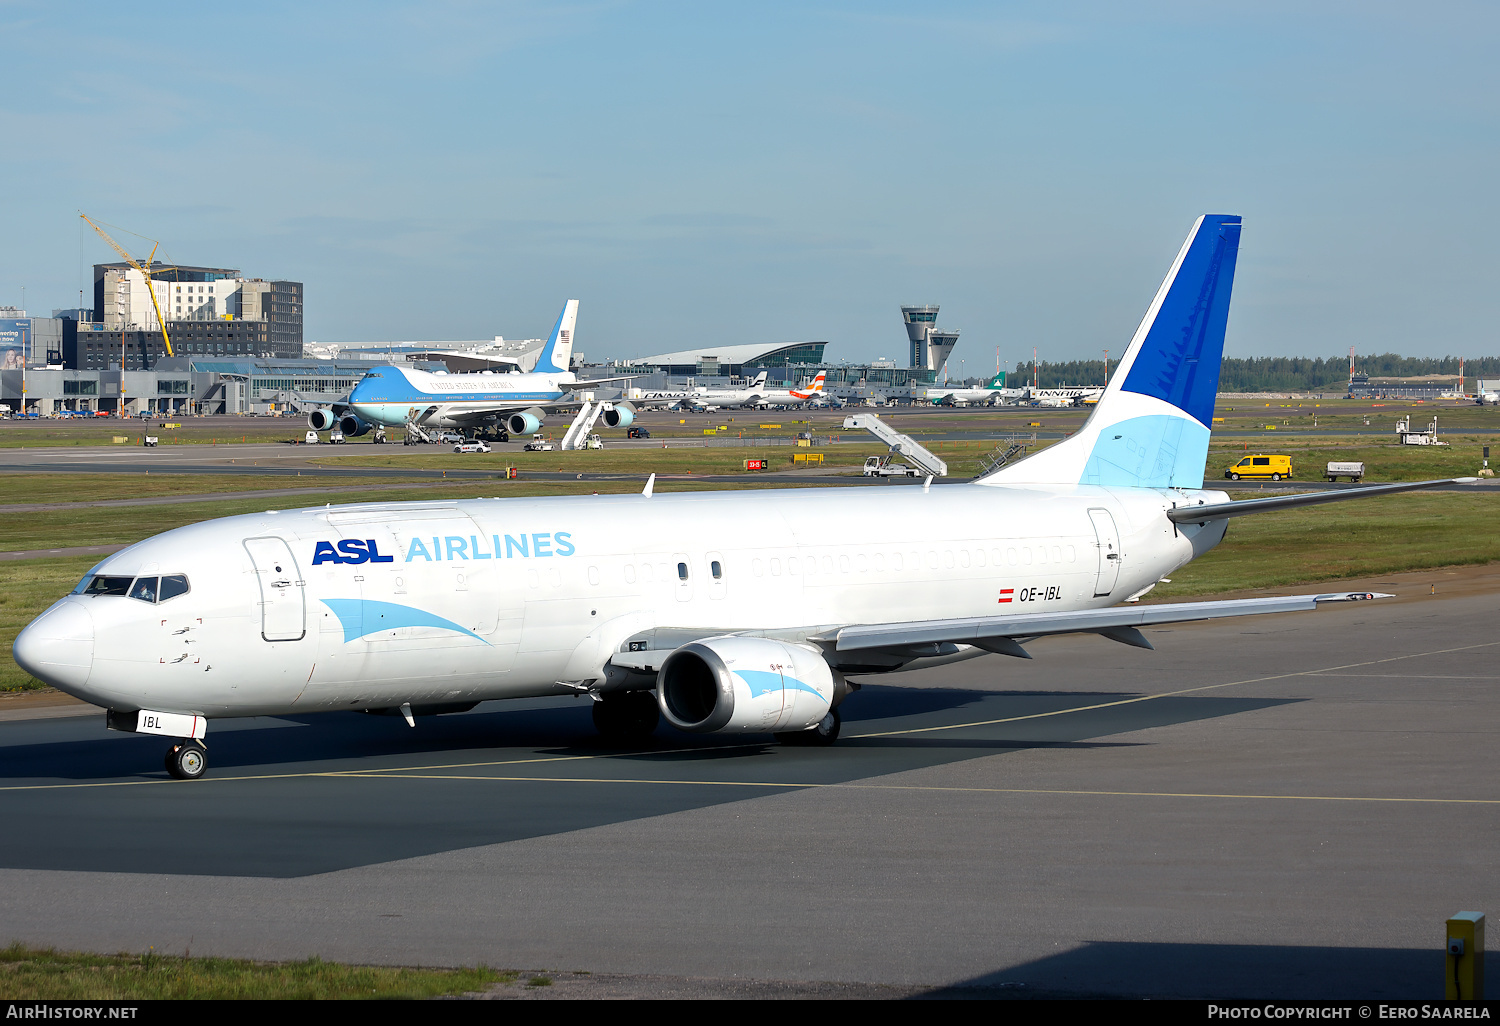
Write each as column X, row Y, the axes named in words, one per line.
column 899, row 562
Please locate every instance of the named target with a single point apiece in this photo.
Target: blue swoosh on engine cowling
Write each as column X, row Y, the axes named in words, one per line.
column 362, row 617
column 763, row 682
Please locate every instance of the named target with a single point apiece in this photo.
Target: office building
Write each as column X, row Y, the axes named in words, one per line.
column 209, row 311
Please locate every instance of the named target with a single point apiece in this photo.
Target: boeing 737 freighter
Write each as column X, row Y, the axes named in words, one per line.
column 515, row 402
column 733, row 611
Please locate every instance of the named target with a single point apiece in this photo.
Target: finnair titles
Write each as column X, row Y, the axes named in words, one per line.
column 745, row 612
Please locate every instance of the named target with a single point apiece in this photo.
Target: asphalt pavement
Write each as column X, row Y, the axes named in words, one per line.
column 1282, row 807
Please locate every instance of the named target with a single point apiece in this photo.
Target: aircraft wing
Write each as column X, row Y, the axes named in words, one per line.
column 339, row 407
column 886, row 646
column 575, row 385
column 1004, row 632
column 1224, row 510
column 489, row 414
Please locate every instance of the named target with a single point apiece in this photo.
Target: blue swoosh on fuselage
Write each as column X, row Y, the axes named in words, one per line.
column 362, row 617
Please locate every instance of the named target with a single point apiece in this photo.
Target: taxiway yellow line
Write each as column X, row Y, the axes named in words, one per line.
column 1171, row 694
column 425, row 772
column 814, row 785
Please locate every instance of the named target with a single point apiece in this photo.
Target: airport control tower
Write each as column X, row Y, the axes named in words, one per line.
column 929, row 347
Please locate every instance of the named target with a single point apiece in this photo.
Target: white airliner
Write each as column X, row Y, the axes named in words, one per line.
column 516, row 402
column 704, row 399
column 1064, row 396
column 791, row 396
column 737, row 611
column 993, row 392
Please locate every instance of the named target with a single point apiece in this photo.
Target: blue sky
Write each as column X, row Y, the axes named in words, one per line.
column 710, row 173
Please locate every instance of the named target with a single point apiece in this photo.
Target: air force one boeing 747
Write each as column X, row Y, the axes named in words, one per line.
column 720, row 611
column 516, row 402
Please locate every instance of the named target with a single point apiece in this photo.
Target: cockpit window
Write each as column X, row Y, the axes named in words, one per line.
column 103, row 585
column 146, row 589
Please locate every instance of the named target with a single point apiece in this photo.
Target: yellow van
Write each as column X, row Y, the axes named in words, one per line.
column 1272, row 466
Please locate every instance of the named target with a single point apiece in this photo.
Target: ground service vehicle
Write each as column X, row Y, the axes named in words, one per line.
column 1272, row 466
column 1352, row 470
column 881, row 466
column 538, row 445
column 637, row 432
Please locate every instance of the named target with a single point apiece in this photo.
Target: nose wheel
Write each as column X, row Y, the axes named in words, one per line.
column 187, row 761
column 628, row 716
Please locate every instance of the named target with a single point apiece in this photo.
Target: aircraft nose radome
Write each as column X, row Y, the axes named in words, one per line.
column 58, row 646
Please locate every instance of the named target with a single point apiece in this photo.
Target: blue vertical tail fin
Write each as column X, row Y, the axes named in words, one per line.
column 557, row 354
column 1150, row 428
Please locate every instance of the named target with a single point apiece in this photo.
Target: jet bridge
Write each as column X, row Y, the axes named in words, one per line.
column 900, row 444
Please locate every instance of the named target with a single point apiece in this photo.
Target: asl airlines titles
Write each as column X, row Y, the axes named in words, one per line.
column 449, row 547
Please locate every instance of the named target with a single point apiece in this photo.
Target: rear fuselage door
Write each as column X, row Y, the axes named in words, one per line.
column 1108, row 539
column 283, row 601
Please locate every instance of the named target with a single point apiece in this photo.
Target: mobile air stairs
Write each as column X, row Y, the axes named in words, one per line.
column 900, row 444
column 577, row 436
column 416, row 434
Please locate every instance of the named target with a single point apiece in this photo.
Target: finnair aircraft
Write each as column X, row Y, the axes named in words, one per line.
column 791, row 396
column 517, row 402
column 743, row 612
column 1064, row 396
column 707, row 398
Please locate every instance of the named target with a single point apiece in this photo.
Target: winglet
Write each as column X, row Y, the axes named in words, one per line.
column 650, row 484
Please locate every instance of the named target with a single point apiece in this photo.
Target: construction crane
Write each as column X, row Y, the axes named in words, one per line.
column 146, row 271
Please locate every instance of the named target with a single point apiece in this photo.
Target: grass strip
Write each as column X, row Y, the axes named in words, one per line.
column 45, row 974
column 18, row 488
column 1366, row 538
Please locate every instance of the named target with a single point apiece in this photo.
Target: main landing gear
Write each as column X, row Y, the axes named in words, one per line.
column 626, row 715
column 187, row 760
column 825, row 733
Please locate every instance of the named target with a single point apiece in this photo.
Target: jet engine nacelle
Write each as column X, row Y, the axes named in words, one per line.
column 352, row 426
column 527, row 422
column 619, row 415
column 753, row 685
column 321, row 419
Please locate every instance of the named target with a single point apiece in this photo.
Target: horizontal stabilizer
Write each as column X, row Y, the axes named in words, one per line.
column 981, row 630
column 1224, row 510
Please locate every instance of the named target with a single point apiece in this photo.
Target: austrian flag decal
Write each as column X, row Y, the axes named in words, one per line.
column 1006, row 594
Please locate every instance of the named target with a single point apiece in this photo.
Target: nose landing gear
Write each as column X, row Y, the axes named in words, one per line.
column 187, row 760
column 627, row 716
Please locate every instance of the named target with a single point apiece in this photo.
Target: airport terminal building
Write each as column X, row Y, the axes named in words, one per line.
column 181, row 386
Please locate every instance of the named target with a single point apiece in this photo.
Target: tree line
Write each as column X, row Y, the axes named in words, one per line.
column 1276, row 373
